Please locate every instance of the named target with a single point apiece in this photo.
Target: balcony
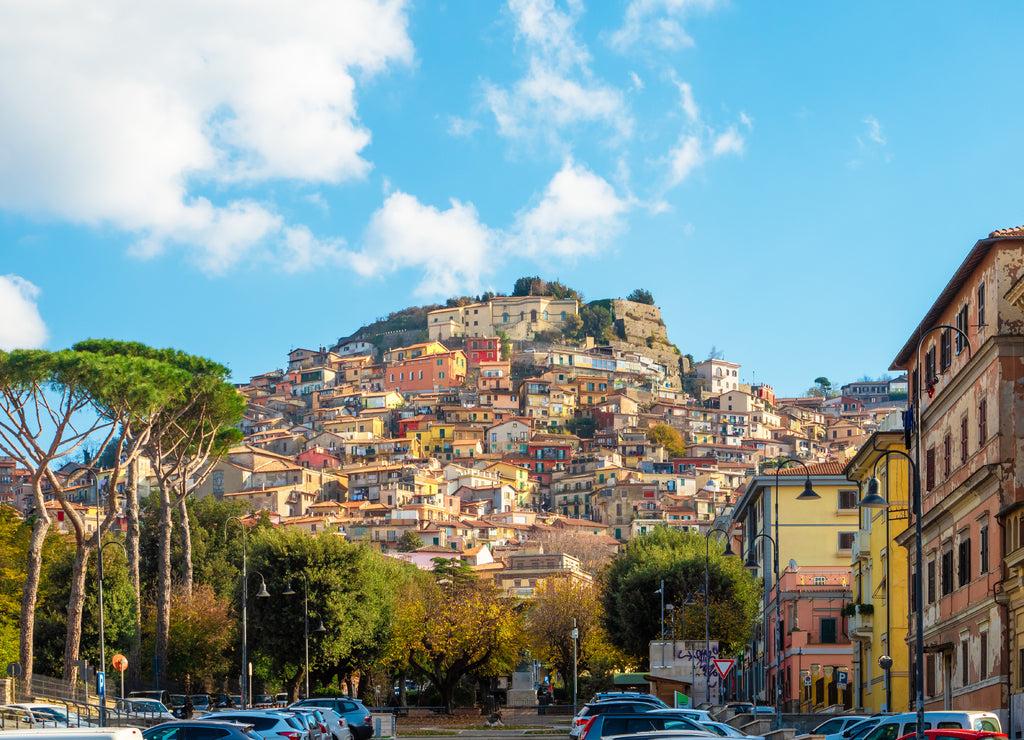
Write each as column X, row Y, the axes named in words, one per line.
column 861, row 547
column 861, row 624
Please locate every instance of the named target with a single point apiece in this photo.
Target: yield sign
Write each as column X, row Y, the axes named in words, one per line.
column 724, row 666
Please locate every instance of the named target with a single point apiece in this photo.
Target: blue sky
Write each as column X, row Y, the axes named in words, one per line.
column 793, row 181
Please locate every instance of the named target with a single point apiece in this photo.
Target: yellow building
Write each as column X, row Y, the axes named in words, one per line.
column 815, row 539
column 344, row 425
column 879, row 578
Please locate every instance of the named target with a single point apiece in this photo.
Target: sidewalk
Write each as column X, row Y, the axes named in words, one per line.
column 516, row 722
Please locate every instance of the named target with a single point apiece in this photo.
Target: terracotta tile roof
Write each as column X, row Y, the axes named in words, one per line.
column 1003, row 233
column 825, row 468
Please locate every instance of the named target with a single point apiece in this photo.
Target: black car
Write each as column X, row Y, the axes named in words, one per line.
column 360, row 723
column 603, row 725
column 197, row 729
column 631, row 706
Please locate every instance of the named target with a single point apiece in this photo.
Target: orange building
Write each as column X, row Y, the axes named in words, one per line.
column 427, row 372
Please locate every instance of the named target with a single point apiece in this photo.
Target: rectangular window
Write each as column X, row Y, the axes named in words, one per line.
column 945, row 353
column 931, row 581
column 964, row 562
column 947, row 455
column 929, row 469
column 982, row 422
column 983, row 663
column 961, row 324
column 947, row 572
column 828, row 630
column 929, row 674
column 983, row 550
column 963, row 440
column 981, row 304
column 848, row 498
column 929, row 367
column 964, row 664
column 846, row 540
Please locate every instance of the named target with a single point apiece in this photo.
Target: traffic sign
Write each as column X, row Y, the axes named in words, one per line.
column 101, row 684
column 14, row 669
column 807, row 680
column 119, row 662
column 724, row 665
column 842, row 678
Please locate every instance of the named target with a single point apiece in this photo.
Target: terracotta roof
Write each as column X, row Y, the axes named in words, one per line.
column 1002, row 233
column 826, row 468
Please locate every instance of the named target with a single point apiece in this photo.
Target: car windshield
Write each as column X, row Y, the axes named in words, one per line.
column 860, row 729
column 56, row 713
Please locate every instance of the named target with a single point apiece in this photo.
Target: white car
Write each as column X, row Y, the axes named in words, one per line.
column 723, row 730
column 144, row 708
column 51, row 715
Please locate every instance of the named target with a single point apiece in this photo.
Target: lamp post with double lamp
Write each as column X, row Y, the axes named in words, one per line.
column 661, row 591
column 874, row 500
column 752, row 565
column 305, row 619
column 728, row 553
column 99, row 595
column 246, row 689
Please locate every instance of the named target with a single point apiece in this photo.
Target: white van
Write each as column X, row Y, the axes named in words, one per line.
column 899, row 725
column 75, row 733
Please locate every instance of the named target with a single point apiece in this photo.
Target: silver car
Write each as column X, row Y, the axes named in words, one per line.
column 266, row 723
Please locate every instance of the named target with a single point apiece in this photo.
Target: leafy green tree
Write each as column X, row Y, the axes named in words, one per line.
column 582, row 426
column 597, row 321
column 202, row 632
column 572, row 327
column 529, row 286
column 559, row 604
column 669, row 438
column 506, row 345
column 409, row 541
column 349, row 590
column 632, row 608
column 51, row 405
column 641, row 296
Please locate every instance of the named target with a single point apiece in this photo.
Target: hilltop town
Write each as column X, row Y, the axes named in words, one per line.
column 514, row 440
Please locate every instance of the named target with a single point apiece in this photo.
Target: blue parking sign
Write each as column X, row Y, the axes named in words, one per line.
column 101, row 684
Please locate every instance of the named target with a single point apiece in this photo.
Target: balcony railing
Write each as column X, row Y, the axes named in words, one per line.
column 861, row 548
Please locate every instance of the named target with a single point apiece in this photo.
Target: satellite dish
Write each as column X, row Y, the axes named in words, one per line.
column 792, row 564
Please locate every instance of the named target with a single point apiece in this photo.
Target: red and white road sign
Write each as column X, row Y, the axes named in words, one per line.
column 724, row 665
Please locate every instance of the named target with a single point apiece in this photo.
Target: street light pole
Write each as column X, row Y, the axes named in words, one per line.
column 245, row 687
column 305, row 619
column 707, row 597
column 874, row 500
column 752, row 564
column 662, row 592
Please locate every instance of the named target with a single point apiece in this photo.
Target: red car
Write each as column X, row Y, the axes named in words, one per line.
column 956, row 735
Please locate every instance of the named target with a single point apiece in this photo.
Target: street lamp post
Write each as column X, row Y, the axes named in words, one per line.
column 707, row 597
column 246, row 689
column 305, row 619
column 662, row 592
column 752, row 564
column 99, row 594
column 874, row 500
column 808, row 494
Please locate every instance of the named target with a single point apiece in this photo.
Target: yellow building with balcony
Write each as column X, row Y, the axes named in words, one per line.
column 879, row 577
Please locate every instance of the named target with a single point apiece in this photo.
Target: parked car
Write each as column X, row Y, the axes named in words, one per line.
column 726, row 730
column 857, row 730
column 836, row 725
column 762, row 709
column 335, row 727
column 360, row 723
column 624, row 695
column 740, row 707
column 161, row 695
column 199, row 729
column 311, row 718
column 957, row 735
column 630, row 706
column 598, row 726
column 201, row 703
column 175, row 702
column 52, row 715
column 145, row 708
column 897, row 725
column 266, row 723
column 16, row 718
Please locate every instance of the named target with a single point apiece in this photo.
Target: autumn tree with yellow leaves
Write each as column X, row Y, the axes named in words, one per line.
column 459, row 627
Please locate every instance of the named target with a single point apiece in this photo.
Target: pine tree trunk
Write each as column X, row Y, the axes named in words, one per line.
column 186, row 548
column 33, row 569
column 76, row 604
column 132, row 549
column 163, row 585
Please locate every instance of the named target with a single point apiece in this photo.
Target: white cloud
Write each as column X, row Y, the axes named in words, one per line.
column 21, row 326
column 120, row 112
column 875, row 130
column 635, row 81
column 698, row 143
column 731, row 142
column 462, row 127
column 577, row 216
column 559, row 89
column 871, row 145
column 452, row 247
column 658, row 23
